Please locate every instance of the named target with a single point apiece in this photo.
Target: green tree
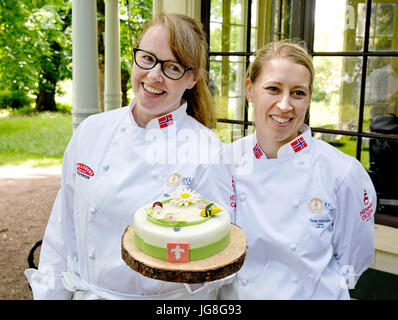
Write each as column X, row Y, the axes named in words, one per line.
column 54, row 26
column 36, row 44
column 134, row 14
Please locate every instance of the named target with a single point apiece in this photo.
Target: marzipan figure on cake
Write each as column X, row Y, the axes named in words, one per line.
column 209, row 210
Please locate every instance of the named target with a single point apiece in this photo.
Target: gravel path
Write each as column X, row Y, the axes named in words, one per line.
column 26, row 199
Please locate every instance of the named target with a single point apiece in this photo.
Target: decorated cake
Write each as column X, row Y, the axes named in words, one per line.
column 182, row 228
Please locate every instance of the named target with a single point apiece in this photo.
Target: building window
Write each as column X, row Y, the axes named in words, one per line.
column 354, row 44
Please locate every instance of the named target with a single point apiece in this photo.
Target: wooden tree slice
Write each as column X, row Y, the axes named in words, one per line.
column 219, row 266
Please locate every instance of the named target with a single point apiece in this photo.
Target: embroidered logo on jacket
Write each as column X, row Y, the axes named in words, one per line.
column 315, row 205
column 367, row 212
column 299, row 144
column 173, row 180
column 166, row 121
column 320, row 209
column 84, row 170
column 257, row 151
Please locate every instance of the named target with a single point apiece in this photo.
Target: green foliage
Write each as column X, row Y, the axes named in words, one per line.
column 37, row 140
column 138, row 12
column 28, row 29
column 14, row 99
column 36, row 43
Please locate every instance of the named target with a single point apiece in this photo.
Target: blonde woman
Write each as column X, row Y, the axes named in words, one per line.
column 306, row 207
column 119, row 160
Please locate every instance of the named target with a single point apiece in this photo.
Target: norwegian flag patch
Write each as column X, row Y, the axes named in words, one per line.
column 299, row 144
column 257, row 151
column 166, row 121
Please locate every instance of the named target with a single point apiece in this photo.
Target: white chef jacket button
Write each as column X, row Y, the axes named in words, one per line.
column 244, row 282
column 106, row 167
column 293, row 247
column 122, row 129
column 295, row 280
column 242, row 197
column 296, row 204
column 92, row 211
column 91, row 255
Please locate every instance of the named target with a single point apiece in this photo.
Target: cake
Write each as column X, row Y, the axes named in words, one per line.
column 182, row 228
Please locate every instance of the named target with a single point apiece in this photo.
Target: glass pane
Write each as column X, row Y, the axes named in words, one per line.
column 254, row 27
column 339, row 25
column 383, row 169
column 228, row 25
column 215, row 36
column 365, row 153
column 335, row 97
column 281, row 10
column 346, row 144
column 250, row 116
column 229, row 132
column 250, row 130
column 227, row 75
column 381, row 95
column 237, row 39
column 383, row 33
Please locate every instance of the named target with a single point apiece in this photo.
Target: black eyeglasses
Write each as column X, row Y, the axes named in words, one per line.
column 171, row 69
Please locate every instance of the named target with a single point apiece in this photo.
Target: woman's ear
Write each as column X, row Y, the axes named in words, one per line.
column 249, row 89
column 194, row 80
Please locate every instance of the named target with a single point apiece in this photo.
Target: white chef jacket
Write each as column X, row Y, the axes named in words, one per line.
column 308, row 218
column 112, row 167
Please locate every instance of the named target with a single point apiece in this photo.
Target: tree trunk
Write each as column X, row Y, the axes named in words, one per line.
column 125, row 76
column 45, row 100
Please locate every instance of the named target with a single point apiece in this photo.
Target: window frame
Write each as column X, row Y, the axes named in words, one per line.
column 302, row 27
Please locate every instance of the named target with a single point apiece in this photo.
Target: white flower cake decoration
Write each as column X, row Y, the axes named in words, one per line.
column 184, row 197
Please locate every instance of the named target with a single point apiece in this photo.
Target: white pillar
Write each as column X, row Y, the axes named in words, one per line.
column 190, row 8
column 112, row 87
column 84, row 60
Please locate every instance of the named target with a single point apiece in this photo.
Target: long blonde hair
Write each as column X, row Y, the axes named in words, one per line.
column 187, row 41
column 281, row 49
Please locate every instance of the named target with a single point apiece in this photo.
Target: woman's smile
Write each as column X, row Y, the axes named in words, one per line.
column 152, row 90
column 281, row 120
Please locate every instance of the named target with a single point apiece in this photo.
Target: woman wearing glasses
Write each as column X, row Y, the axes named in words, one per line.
column 119, row 160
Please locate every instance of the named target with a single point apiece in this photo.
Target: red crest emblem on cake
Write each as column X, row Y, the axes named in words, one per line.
column 177, row 252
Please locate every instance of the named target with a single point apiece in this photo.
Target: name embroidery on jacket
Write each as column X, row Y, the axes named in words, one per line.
column 367, row 212
column 318, row 206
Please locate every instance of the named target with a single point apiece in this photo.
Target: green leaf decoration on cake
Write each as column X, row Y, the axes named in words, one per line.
column 175, row 223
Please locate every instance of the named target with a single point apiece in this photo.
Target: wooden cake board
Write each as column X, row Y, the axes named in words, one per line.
column 216, row 267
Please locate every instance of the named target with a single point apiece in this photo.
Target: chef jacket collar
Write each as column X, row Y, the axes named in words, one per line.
column 294, row 147
column 164, row 121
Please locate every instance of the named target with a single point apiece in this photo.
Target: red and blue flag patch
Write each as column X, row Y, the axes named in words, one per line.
column 299, row 144
column 166, row 121
column 257, row 151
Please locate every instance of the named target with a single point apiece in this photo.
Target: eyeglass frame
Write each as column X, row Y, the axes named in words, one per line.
column 162, row 62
